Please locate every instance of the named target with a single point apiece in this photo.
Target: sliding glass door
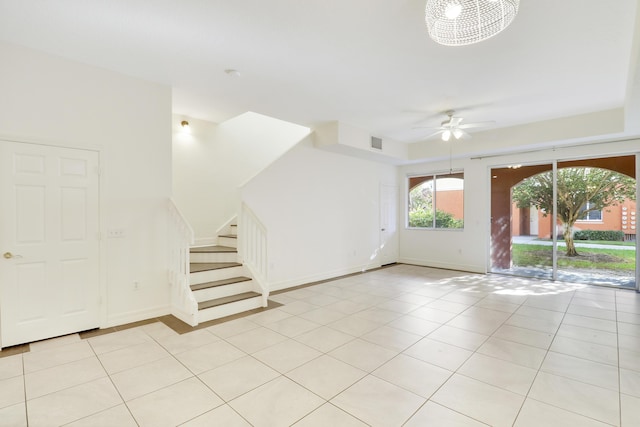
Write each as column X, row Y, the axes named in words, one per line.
column 596, row 212
column 572, row 221
column 520, row 244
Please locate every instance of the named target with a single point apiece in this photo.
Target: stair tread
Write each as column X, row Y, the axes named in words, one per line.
column 231, row 236
column 212, row 249
column 196, row 267
column 226, row 300
column 222, row 282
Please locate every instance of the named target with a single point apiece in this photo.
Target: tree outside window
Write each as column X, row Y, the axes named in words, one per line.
column 581, row 191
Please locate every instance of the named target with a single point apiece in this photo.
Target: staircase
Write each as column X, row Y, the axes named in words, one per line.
column 221, row 285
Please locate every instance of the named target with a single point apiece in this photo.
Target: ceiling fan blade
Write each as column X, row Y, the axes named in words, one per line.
column 455, row 122
column 452, row 128
column 477, row 125
column 434, row 134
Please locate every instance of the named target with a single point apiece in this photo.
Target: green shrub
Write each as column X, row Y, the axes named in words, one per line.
column 424, row 219
column 609, row 235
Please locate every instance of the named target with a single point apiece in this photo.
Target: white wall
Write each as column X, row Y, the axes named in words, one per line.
column 453, row 249
column 211, row 161
column 468, row 249
column 50, row 100
column 321, row 212
column 591, row 127
column 350, row 140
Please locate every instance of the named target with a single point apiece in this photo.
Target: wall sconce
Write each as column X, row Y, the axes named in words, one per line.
column 184, row 123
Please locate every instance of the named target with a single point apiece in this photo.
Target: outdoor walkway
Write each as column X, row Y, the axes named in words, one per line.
column 587, row 276
column 532, row 240
column 593, row 277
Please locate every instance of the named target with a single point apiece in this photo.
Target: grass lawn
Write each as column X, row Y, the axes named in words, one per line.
column 595, row 242
column 593, row 259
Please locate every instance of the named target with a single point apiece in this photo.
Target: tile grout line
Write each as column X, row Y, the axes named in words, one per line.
column 544, row 358
column 589, row 360
column 371, row 373
column 455, row 372
column 455, row 288
column 280, row 374
column 124, row 402
column 225, row 402
column 489, row 337
column 194, row 375
column 24, row 385
column 25, row 374
column 521, row 304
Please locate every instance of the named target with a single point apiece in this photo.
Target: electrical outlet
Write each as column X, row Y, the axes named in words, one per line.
column 115, row 233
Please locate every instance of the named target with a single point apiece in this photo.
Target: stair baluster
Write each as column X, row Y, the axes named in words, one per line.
column 183, row 304
column 252, row 249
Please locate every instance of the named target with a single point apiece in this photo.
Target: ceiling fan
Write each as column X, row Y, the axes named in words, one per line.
column 453, row 127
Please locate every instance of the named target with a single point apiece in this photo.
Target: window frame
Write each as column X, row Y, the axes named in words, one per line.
column 601, row 219
column 433, row 177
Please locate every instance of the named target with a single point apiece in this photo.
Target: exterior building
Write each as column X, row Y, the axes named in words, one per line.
column 452, row 201
column 622, row 217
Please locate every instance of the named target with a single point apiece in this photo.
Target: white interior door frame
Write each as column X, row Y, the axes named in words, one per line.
column 102, row 253
column 388, row 246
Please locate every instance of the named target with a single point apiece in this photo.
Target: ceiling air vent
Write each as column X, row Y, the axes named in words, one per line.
column 376, row 143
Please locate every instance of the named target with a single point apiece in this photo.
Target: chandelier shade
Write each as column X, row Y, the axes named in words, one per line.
column 464, row 22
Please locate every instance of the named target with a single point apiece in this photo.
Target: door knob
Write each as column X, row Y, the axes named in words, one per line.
column 9, row 255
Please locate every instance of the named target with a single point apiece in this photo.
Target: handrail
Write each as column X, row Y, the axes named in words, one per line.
column 252, row 248
column 181, row 236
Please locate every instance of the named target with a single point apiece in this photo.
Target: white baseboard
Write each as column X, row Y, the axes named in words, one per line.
column 444, row 265
column 136, row 316
column 278, row 286
column 185, row 317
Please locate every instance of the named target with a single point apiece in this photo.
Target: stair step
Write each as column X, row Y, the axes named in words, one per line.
column 226, row 300
column 228, row 240
column 217, row 283
column 212, row 249
column 196, row 267
column 218, row 253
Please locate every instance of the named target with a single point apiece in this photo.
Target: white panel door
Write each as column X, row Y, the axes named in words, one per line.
column 388, row 224
column 49, row 241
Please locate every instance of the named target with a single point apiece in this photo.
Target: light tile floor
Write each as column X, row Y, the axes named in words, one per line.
column 403, row 345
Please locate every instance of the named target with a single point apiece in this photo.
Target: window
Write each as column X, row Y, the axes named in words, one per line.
column 587, row 213
column 436, row 201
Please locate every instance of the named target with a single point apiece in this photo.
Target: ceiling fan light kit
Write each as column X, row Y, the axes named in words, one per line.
column 453, row 127
column 464, row 22
column 458, row 133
